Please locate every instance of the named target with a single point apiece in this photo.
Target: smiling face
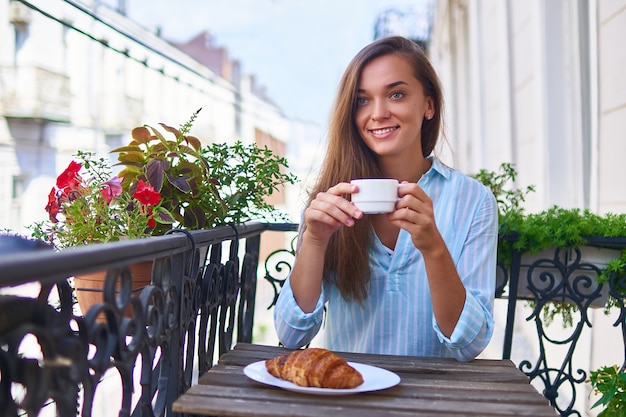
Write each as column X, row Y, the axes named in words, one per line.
column 391, row 107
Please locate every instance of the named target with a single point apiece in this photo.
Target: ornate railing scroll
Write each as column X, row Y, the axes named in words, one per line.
column 200, row 300
column 565, row 277
column 279, row 263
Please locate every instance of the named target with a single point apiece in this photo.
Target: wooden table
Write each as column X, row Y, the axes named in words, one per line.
column 428, row 386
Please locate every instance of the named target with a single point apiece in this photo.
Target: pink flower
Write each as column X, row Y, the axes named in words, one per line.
column 111, row 189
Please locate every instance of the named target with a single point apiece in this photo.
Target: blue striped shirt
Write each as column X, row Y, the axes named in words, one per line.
column 397, row 316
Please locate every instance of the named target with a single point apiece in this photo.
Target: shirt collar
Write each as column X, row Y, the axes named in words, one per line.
column 437, row 168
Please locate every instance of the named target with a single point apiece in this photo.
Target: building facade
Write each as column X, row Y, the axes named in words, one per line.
column 80, row 75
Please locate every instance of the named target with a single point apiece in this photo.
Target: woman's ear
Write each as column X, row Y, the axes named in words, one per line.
column 430, row 108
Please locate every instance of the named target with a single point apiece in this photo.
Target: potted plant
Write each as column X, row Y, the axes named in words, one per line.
column 163, row 183
column 88, row 205
column 203, row 187
column 555, row 238
column 610, row 383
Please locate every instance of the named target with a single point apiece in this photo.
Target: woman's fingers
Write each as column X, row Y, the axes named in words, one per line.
column 408, row 189
column 330, row 210
column 414, row 213
column 336, row 205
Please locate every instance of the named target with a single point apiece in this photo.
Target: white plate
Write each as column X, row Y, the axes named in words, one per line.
column 374, row 379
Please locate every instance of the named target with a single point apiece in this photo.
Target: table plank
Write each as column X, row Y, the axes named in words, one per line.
column 428, row 387
column 211, row 399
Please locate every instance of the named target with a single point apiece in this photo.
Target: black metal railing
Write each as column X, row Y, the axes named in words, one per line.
column 200, row 299
column 562, row 282
column 200, row 302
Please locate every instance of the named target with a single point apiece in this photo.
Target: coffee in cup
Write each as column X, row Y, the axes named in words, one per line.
column 375, row 195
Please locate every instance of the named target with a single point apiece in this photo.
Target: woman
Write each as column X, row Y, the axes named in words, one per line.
column 417, row 281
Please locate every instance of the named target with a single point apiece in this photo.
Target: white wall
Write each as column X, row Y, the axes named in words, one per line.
column 540, row 84
column 520, row 87
column 611, row 22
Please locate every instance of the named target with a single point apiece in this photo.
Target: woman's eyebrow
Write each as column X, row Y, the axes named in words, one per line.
column 397, row 83
column 388, row 86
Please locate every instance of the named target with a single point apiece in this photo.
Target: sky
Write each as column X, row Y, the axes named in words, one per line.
column 296, row 49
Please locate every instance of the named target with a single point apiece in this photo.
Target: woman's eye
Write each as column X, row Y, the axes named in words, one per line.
column 396, row 95
column 361, row 101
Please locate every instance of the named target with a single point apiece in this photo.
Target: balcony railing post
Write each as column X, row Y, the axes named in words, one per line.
column 514, row 277
column 248, row 289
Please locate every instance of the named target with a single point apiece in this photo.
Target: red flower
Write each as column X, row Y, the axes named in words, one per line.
column 111, row 189
column 53, row 206
column 69, row 179
column 151, row 221
column 68, row 182
column 87, row 204
column 146, row 194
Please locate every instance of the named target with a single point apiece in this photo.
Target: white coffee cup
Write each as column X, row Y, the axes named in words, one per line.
column 375, row 195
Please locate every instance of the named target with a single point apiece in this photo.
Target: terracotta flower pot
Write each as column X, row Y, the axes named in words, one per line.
column 89, row 287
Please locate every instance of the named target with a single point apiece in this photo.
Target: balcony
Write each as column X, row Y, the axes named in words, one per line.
column 34, row 92
column 201, row 301
column 120, row 111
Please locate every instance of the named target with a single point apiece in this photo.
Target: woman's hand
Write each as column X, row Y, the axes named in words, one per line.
column 329, row 211
column 326, row 213
column 415, row 214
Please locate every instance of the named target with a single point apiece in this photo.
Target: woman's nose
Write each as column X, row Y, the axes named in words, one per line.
column 380, row 110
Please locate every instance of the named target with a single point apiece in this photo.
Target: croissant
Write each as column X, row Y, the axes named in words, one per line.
column 314, row 367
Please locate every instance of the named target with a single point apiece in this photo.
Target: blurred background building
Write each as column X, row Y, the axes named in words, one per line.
column 411, row 22
column 80, row 75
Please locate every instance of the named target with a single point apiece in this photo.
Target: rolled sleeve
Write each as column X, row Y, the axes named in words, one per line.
column 472, row 333
column 294, row 327
column 475, row 259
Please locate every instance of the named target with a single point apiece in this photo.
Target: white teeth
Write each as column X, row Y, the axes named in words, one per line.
column 383, row 131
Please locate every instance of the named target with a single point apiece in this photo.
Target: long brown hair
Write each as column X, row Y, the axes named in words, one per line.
column 348, row 157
